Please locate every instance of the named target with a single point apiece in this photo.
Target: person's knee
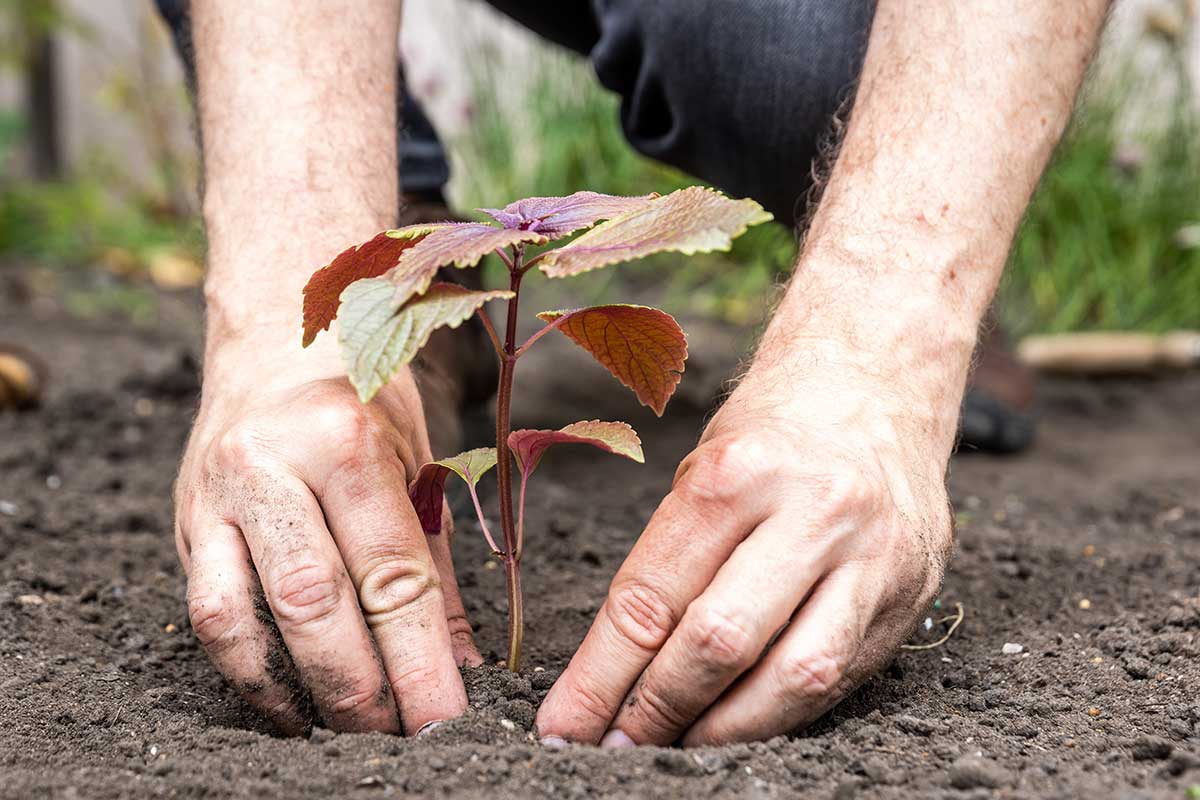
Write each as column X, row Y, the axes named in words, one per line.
column 736, row 94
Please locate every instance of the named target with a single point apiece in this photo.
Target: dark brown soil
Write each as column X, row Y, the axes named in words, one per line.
column 1085, row 552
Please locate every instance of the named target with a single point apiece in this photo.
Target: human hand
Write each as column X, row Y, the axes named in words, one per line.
column 308, row 572
column 800, row 543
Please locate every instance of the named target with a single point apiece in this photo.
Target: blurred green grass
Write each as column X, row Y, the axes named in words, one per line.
column 1111, row 240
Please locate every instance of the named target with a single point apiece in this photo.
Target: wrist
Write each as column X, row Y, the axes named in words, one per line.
column 852, row 339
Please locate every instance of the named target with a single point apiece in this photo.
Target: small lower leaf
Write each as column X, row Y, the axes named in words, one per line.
column 377, row 338
column 428, row 488
column 528, row 445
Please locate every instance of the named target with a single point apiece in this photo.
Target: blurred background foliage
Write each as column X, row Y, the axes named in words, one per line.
column 1111, row 240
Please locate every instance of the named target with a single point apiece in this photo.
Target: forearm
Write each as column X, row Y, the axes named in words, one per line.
column 298, row 120
column 958, row 110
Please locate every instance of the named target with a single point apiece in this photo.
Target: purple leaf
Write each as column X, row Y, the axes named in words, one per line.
column 556, row 217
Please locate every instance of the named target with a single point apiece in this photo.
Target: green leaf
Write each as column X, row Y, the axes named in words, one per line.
column 377, row 338
column 528, row 445
column 642, row 347
column 692, row 220
column 428, row 488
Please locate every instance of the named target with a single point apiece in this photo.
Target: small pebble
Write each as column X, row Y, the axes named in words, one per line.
column 53, row 482
column 170, row 628
column 30, row 599
column 508, row 725
column 1085, row 604
column 1093, row 712
column 1012, row 649
column 7, row 508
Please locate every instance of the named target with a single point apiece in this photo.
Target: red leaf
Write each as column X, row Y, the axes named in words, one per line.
column 642, row 347
column 322, row 293
column 613, row 437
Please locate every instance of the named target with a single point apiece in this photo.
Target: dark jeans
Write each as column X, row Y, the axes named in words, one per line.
column 736, row 92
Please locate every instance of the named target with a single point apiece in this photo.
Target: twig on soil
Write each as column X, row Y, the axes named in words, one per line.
column 954, row 619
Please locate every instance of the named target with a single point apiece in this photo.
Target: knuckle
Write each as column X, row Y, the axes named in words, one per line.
column 351, row 698
column 413, row 675
column 720, row 639
column 844, row 493
column 720, row 472
column 640, row 614
column 658, row 708
column 305, row 595
column 239, row 446
column 343, row 424
column 213, row 621
column 586, row 699
column 809, row 674
column 390, row 585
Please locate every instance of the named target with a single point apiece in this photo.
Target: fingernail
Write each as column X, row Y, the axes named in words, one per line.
column 616, row 738
column 553, row 742
column 428, row 726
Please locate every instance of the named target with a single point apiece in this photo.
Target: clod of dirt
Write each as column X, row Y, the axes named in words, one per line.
column 974, row 772
column 1151, row 748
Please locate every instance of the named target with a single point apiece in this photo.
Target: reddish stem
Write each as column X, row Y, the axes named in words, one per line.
column 512, row 556
column 539, row 334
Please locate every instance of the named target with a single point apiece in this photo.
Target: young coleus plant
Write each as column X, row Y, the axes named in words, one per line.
column 384, row 292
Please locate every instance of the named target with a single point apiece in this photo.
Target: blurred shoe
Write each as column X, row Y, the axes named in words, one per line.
column 996, row 410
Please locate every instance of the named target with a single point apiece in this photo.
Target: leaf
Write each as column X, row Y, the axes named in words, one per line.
column 692, row 220
column 642, row 347
column 459, row 244
column 557, row 217
column 427, row 489
column 614, row 437
column 377, row 338
column 323, row 292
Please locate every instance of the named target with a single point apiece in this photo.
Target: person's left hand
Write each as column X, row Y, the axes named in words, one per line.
column 799, row 545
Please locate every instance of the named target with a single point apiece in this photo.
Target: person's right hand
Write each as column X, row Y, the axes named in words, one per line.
column 308, row 572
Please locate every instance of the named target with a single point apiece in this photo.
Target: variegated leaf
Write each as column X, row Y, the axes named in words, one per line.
column 692, row 220
column 377, row 338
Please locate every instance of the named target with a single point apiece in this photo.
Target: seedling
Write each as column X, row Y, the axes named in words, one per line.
column 389, row 305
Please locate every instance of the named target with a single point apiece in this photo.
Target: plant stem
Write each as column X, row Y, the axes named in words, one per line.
column 512, row 555
column 487, row 534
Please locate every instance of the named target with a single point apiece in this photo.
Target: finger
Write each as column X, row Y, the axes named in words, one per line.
column 722, row 634
column 220, row 598
column 314, row 604
column 399, row 586
column 462, row 637
column 814, row 664
column 687, row 540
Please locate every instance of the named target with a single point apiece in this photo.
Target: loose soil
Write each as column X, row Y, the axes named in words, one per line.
column 1086, row 552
